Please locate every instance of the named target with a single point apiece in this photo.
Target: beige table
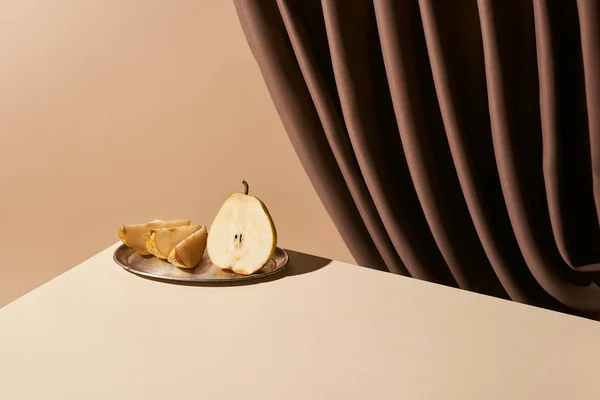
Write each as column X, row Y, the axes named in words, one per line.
column 333, row 331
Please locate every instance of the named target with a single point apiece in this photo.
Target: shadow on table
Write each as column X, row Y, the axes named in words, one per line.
column 298, row 264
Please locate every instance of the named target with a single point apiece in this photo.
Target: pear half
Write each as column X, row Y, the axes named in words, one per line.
column 134, row 236
column 242, row 236
column 161, row 241
column 188, row 253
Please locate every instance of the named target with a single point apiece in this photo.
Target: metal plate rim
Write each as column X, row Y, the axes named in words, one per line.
column 237, row 278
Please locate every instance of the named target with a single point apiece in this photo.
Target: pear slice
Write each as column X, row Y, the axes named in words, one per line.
column 134, row 236
column 161, row 241
column 242, row 236
column 188, row 253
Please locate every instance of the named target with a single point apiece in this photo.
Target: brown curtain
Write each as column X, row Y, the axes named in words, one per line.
column 456, row 142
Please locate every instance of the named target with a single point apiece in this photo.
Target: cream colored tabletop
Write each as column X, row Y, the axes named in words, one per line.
column 321, row 331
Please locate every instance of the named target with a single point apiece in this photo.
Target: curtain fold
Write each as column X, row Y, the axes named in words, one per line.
column 454, row 142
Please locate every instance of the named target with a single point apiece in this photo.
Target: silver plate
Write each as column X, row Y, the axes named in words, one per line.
column 205, row 272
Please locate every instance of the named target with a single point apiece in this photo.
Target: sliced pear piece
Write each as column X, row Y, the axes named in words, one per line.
column 134, row 236
column 242, row 236
column 188, row 253
column 161, row 241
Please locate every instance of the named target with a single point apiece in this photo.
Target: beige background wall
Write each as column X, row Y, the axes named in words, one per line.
column 122, row 111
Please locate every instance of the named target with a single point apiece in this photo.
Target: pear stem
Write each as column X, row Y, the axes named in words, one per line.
column 246, row 187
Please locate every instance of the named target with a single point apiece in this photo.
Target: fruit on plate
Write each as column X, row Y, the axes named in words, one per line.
column 161, row 241
column 188, row 253
column 134, row 236
column 242, row 236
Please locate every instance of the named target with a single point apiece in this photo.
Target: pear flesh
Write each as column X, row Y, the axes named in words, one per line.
column 160, row 242
column 134, row 236
column 189, row 252
column 243, row 236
